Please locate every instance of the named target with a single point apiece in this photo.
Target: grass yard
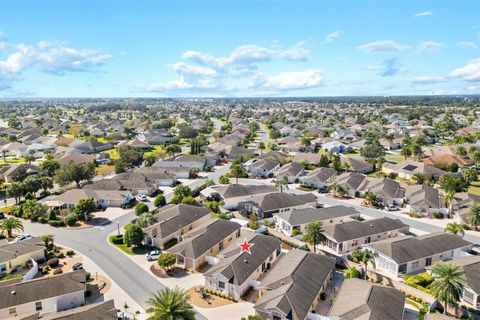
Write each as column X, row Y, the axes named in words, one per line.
column 131, row 250
column 113, row 153
column 152, row 152
column 474, row 188
column 10, row 277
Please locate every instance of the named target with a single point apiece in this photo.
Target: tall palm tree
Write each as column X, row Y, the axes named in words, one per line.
column 314, row 234
column 237, row 171
column 371, row 199
column 170, row 304
column 448, row 280
column 32, row 209
column 449, row 197
column 455, row 228
column 473, row 216
column 4, row 155
column 145, row 219
column 282, row 183
column 364, row 257
column 9, row 225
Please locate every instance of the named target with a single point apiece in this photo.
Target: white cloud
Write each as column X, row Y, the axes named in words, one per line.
column 430, row 46
column 47, row 56
column 287, row 81
column 201, row 72
column 423, row 14
column 428, row 80
column 332, row 36
column 466, row 44
column 382, row 46
column 388, row 67
column 469, row 72
column 473, row 89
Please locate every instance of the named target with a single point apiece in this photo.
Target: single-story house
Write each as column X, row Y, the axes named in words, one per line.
column 264, row 168
column 103, row 198
column 293, row 288
column 207, row 240
column 390, row 191
column 183, row 161
column 351, row 182
column 334, row 146
column 14, row 171
column 104, row 310
column 297, row 219
column 360, row 300
column 320, row 178
column 310, row 158
column 160, row 176
column 43, row 295
column 345, row 237
column 17, row 254
column 408, row 168
column 425, row 199
column 357, row 164
column 292, row 171
column 265, row 205
column 471, row 289
column 405, row 255
column 236, row 272
column 232, row 194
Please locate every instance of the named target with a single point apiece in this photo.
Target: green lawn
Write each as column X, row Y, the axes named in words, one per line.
column 10, row 277
column 151, row 152
column 113, row 153
column 131, row 250
column 474, row 188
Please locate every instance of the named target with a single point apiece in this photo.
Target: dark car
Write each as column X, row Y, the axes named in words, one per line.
column 77, row 266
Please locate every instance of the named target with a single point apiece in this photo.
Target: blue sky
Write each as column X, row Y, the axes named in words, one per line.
column 238, row 48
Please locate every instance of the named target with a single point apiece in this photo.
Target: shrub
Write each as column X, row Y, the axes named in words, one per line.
column 141, row 208
column 437, row 215
column 56, row 223
column 159, row 201
column 224, row 180
column 296, row 232
column 87, row 276
column 71, row 220
column 57, row 271
column 118, row 239
column 70, row 253
column 60, row 255
column 45, row 270
column 43, row 220
column 53, row 263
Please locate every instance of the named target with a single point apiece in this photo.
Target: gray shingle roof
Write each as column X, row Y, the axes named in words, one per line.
column 471, row 269
column 359, row 299
column 12, row 250
column 320, row 175
column 304, row 215
column 405, row 249
column 98, row 311
column 294, row 283
column 358, row 229
column 202, row 239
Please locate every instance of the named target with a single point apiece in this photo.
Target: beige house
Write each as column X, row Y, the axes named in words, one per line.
column 14, row 255
column 203, row 242
column 173, row 221
column 236, row 272
column 42, row 295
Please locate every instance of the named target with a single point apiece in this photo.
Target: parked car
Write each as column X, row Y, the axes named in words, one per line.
column 77, row 266
column 141, row 197
column 153, row 255
column 392, row 208
column 22, row 237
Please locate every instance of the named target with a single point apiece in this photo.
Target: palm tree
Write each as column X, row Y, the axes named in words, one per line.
column 4, row 155
column 364, row 257
column 30, row 156
column 416, row 150
column 314, row 234
column 476, row 157
column 282, row 183
column 473, row 216
column 237, row 171
column 455, row 228
column 145, row 219
column 333, row 187
column 447, row 285
column 9, row 225
column 461, row 151
column 32, row 209
column 48, row 240
column 371, row 199
column 449, row 197
column 170, row 304
column 351, row 273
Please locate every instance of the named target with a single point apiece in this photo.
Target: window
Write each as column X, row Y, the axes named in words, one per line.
column 38, row 306
column 428, row 262
column 3, row 267
column 154, row 232
column 238, row 233
column 190, row 227
column 402, row 268
column 276, row 318
column 279, row 250
column 221, row 285
column 12, row 310
column 220, row 246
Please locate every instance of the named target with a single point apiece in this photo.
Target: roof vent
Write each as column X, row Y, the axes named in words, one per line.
column 245, row 260
column 13, row 292
column 371, row 225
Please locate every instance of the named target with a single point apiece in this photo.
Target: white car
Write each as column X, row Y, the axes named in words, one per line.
column 392, row 208
column 141, row 197
column 153, row 255
column 22, row 237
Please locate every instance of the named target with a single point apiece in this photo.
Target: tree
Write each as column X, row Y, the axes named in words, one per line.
column 461, row 152
column 314, row 234
column 372, row 151
column 253, row 222
column 447, row 285
column 130, row 156
column 50, row 167
column 351, row 273
column 32, row 209
column 145, row 219
column 75, row 172
column 455, row 228
column 133, row 235
column 237, row 171
column 150, row 160
column 336, row 163
column 406, row 152
column 159, row 201
column 31, row 185
column 418, row 178
column 9, row 225
column 364, row 257
column 371, row 199
column 15, row 190
column 30, row 156
column 45, row 183
column 180, row 192
column 282, row 183
column 84, row 208
column 475, row 156
column 417, row 151
column 261, row 147
column 224, row 180
column 166, row 260
column 323, row 161
column 274, row 134
column 193, row 173
column 48, row 240
column 170, row 304
column 173, row 149
column 305, row 142
column 473, row 216
column 470, row 175
column 141, row 208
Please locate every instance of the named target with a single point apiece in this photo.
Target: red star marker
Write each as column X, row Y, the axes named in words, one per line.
column 246, row 246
